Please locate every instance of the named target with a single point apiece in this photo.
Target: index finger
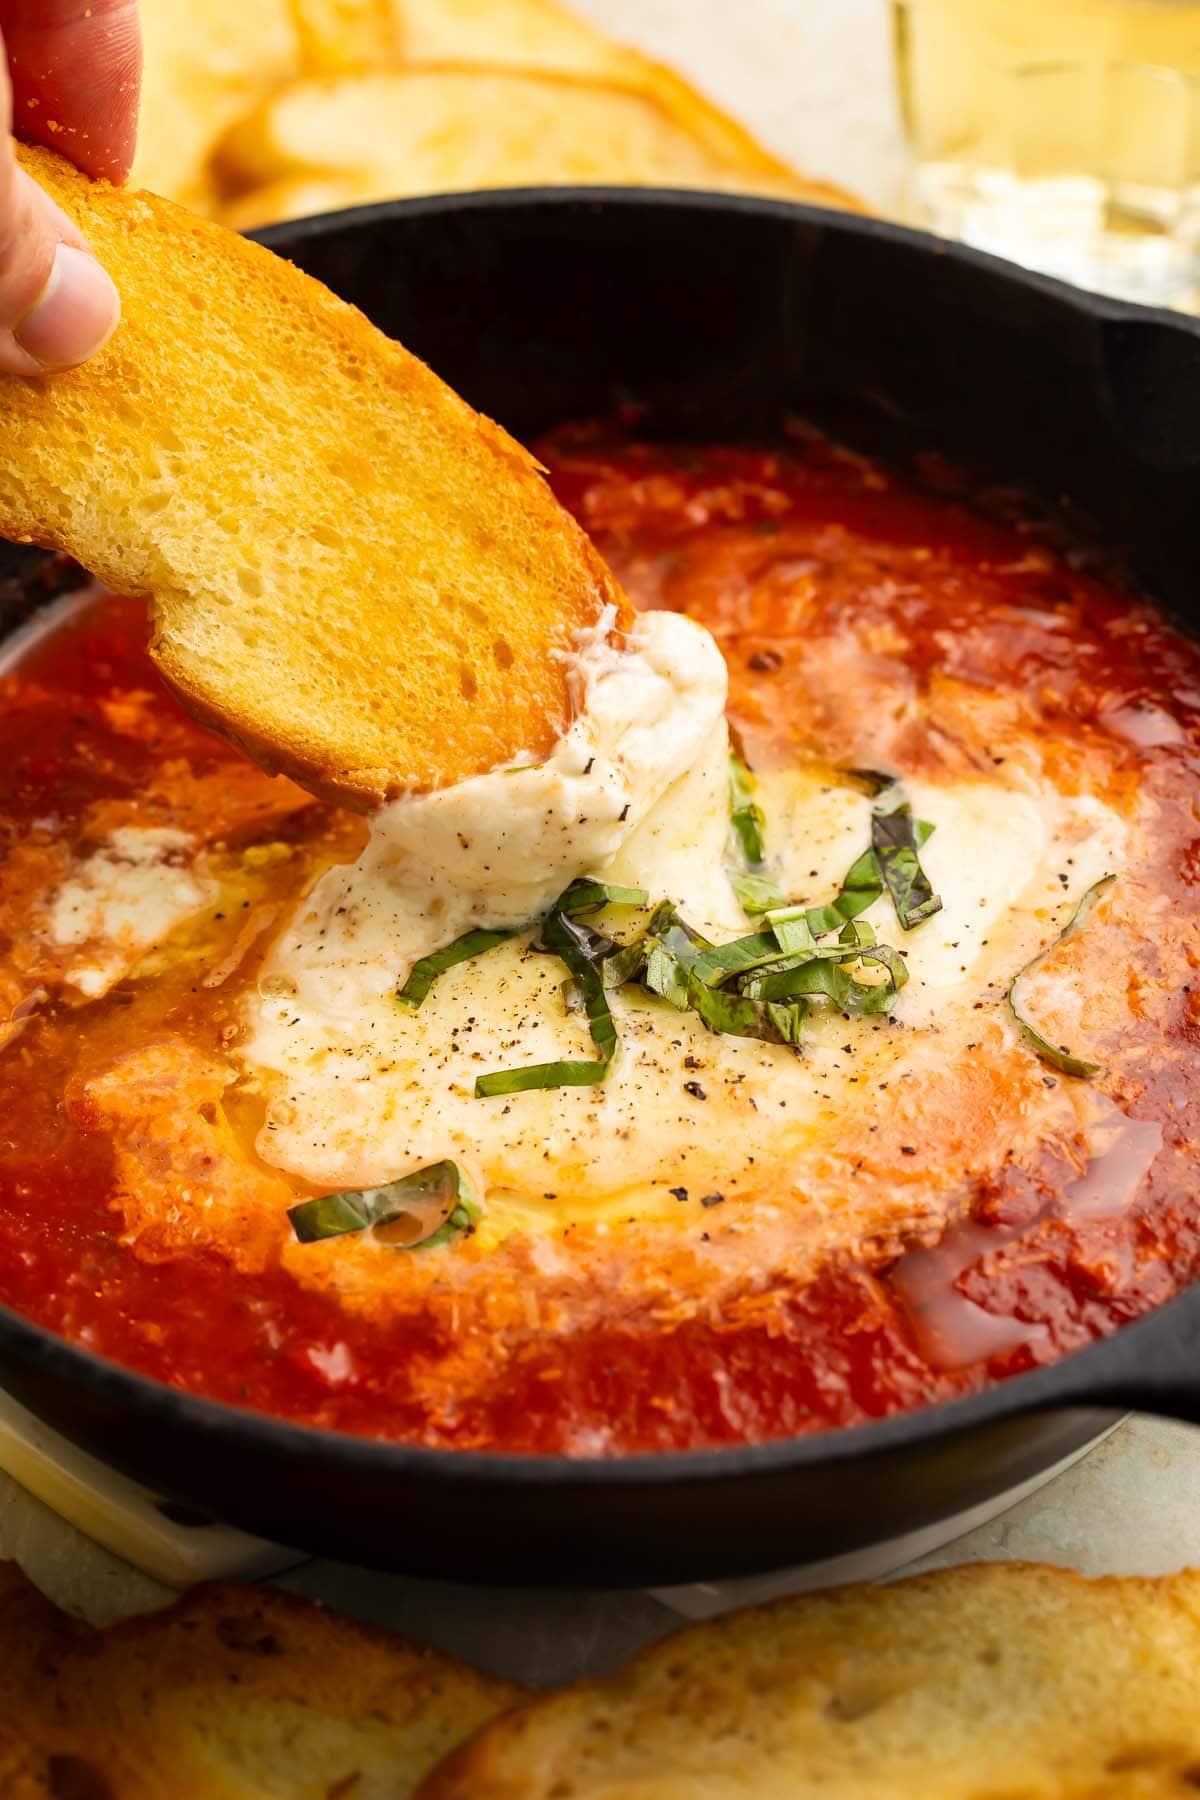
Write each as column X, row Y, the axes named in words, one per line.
column 76, row 65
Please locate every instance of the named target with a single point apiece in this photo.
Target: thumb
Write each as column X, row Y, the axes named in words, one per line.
column 57, row 305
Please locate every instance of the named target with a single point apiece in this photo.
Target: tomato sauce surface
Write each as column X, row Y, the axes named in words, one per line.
column 694, row 529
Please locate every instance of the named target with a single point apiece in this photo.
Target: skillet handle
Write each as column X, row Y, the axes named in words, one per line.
column 1152, row 1365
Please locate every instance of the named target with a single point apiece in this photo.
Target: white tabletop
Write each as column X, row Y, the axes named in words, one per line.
column 814, row 78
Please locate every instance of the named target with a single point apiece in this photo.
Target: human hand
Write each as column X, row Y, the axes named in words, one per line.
column 69, row 79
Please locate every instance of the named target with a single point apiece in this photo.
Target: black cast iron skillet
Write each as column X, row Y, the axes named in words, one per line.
column 721, row 316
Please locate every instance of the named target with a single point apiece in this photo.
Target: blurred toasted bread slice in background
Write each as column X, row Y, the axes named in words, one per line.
column 977, row 1683
column 209, row 64
column 205, row 63
column 336, row 35
column 408, row 131
column 541, row 34
column 527, row 34
column 231, row 1694
column 352, row 574
column 300, row 198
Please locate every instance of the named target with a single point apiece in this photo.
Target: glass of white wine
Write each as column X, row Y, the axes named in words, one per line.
column 1064, row 134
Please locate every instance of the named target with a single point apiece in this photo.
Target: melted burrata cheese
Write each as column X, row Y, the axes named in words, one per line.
column 138, row 886
column 360, row 1090
column 497, row 850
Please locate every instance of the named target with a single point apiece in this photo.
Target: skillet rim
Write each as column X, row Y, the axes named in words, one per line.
column 1052, row 1387
column 837, row 220
column 1045, row 1389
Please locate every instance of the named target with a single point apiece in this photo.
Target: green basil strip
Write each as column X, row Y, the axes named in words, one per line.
column 892, row 861
column 721, row 1011
column 424, row 973
column 584, row 952
column 333, row 1215
column 672, row 949
column 828, row 977
column 669, row 948
column 681, row 970
column 791, row 930
column 895, row 839
column 667, row 923
column 795, row 944
column 461, row 1219
column 862, row 886
column 735, row 1015
column 745, row 814
column 666, row 976
column 871, row 779
column 541, row 1075
column 756, row 894
column 1055, row 1055
column 625, row 964
column 728, row 961
column 585, row 896
column 856, row 935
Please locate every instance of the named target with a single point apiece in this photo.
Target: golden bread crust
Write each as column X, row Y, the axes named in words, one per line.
column 354, row 576
column 232, row 1693
column 967, row 1684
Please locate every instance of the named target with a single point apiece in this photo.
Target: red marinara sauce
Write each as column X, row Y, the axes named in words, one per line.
column 766, row 547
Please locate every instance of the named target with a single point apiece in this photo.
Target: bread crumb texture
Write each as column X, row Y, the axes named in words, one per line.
column 233, row 1693
column 352, row 574
column 1008, row 1682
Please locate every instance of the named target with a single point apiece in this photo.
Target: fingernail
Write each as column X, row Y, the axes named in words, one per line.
column 77, row 311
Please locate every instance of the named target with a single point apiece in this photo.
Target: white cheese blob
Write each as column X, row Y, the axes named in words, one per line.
column 135, row 888
column 1005, row 860
column 498, row 849
column 360, row 1090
